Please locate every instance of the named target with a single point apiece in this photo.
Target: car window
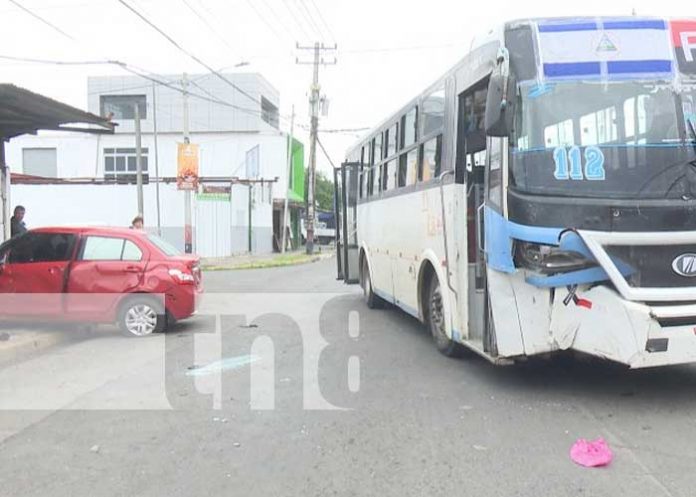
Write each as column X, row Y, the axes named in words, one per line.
column 41, row 247
column 166, row 247
column 104, row 248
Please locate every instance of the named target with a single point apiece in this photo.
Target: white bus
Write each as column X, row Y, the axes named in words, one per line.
column 540, row 196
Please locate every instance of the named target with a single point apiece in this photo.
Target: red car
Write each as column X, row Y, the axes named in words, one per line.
column 98, row 275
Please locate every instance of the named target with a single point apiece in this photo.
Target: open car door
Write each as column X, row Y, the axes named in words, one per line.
column 346, row 181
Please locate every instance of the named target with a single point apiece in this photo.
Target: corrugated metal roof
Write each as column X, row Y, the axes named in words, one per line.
column 23, row 111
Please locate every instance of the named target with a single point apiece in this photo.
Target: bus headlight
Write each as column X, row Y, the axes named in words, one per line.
column 547, row 259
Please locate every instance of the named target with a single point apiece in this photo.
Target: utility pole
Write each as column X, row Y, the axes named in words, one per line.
column 314, row 101
column 138, row 160
column 188, row 231
column 154, row 129
column 288, row 176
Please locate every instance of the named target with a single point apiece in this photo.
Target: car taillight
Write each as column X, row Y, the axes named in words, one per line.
column 182, row 277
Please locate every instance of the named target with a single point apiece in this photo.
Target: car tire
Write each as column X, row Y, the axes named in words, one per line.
column 435, row 321
column 141, row 316
column 371, row 299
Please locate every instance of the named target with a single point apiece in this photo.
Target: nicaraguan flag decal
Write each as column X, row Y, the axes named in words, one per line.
column 614, row 49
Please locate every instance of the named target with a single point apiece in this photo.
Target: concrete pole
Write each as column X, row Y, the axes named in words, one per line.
column 188, row 229
column 138, row 160
column 314, row 101
column 154, row 129
column 289, row 173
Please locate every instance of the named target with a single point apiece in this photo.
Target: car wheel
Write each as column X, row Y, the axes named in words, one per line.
column 372, row 300
column 141, row 316
column 435, row 321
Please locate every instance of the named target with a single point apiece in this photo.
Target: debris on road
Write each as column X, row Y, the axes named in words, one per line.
column 223, row 365
column 236, row 444
column 480, row 448
column 95, row 449
column 591, row 454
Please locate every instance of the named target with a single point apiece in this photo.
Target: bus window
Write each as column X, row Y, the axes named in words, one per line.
column 559, row 134
column 411, row 167
column 369, row 181
column 377, row 148
column 376, row 180
column 433, row 111
column 431, row 158
column 391, row 171
column 598, row 127
column 390, row 140
column 494, row 171
column 403, row 166
column 408, row 128
column 635, row 119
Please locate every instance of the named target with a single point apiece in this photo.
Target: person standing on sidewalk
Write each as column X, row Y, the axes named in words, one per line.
column 17, row 225
column 138, row 223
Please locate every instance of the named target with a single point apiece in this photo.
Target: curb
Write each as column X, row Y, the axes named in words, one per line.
column 265, row 264
column 24, row 343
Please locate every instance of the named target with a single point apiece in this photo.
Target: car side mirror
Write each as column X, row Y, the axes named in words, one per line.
column 500, row 105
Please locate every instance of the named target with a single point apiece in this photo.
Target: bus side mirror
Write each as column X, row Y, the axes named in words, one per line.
column 500, row 105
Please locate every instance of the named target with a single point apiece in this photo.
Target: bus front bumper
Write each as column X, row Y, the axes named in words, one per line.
column 601, row 323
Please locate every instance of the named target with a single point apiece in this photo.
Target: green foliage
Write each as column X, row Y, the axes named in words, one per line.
column 323, row 192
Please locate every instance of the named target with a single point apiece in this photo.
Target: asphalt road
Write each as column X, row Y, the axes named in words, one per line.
column 303, row 391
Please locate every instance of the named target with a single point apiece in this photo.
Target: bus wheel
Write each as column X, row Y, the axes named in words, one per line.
column 372, row 300
column 435, row 320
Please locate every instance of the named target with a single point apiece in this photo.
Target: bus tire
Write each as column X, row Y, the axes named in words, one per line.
column 435, row 320
column 371, row 299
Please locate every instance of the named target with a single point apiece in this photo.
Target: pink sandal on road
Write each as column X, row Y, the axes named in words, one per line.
column 591, row 454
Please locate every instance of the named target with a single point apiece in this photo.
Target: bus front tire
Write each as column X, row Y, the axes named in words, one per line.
column 371, row 299
column 435, row 320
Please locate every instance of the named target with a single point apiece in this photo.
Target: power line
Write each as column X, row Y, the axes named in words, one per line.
column 210, row 26
column 276, row 16
column 321, row 18
column 250, row 3
column 321, row 146
column 56, row 62
column 37, row 16
column 297, row 20
column 186, row 52
column 308, row 15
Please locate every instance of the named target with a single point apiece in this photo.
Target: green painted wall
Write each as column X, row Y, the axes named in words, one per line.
column 296, row 186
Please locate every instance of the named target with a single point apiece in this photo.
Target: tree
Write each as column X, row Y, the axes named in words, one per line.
column 323, row 191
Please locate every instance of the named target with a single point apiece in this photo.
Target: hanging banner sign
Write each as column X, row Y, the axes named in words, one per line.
column 187, row 166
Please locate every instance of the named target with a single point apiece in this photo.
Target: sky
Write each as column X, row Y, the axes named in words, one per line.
column 388, row 51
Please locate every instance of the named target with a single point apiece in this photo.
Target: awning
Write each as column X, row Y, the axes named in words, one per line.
column 22, row 111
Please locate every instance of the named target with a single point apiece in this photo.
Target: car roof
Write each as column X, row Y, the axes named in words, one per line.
column 94, row 230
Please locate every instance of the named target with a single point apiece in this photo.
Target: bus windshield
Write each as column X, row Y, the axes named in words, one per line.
column 621, row 139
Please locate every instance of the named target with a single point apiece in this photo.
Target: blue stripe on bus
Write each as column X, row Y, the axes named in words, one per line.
column 561, row 69
column 561, row 27
column 647, row 24
column 639, row 66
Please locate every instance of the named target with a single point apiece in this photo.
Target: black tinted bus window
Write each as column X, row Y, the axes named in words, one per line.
column 408, row 128
column 377, row 152
column 433, row 112
column 431, row 158
column 403, row 165
column 391, row 140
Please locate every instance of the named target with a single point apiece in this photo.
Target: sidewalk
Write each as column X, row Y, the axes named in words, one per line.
column 20, row 341
column 248, row 261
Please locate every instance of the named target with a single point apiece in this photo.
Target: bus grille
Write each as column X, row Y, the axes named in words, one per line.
column 652, row 264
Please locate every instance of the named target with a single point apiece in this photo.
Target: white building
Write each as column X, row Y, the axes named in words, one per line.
column 90, row 179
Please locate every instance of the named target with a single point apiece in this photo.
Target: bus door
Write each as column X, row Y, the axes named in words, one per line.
column 346, row 210
column 471, row 165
